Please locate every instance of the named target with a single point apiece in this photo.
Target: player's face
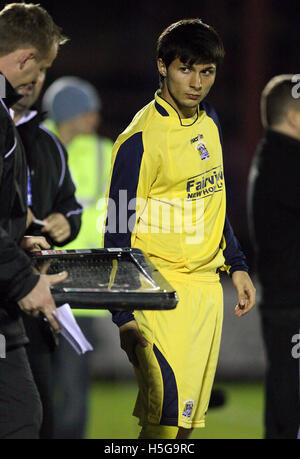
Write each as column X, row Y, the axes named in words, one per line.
column 185, row 86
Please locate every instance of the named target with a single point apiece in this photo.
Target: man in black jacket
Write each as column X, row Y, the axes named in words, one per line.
column 274, row 217
column 51, row 198
column 52, row 191
column 29, row 41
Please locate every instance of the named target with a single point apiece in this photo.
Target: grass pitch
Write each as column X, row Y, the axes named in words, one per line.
column 111, row 405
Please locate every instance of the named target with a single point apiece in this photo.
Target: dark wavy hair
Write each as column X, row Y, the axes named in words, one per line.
column 192, row 41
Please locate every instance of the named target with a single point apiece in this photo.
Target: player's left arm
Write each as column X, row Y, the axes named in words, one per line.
column 235, row 260
column 236, row 266
column 246, row 292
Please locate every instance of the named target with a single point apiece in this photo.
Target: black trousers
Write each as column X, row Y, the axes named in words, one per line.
column 20, row 404
column 282, row 388
column 39, row 351
column 72, row 379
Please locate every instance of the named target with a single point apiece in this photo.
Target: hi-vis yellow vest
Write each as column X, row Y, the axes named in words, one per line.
column 89, row 160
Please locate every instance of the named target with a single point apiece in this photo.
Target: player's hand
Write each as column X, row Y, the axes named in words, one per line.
column 57, row 226
column 40, row 300
column 130, row 337
column 34, row 243
column 246, row 292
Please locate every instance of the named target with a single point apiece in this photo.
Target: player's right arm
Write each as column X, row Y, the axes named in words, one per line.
column 132, row 175
column 130, row 337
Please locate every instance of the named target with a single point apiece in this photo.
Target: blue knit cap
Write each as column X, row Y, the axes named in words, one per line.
column 69, row 97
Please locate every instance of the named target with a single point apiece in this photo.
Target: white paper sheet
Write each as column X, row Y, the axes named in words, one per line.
column 70, row 330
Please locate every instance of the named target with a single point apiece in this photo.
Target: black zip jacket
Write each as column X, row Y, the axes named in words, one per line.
column 16, row 276
column 274, row 218
column 52, row 188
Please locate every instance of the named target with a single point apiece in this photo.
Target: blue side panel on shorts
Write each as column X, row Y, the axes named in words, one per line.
column 169, row 416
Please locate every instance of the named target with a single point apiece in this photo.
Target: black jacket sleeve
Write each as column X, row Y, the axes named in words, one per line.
column 16, row 276
column 66, row 202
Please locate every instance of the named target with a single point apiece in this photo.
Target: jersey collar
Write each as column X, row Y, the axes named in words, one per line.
column 167, row 110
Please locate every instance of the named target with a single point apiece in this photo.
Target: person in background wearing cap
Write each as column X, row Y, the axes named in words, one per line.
column 51, row 199
column 73, row 106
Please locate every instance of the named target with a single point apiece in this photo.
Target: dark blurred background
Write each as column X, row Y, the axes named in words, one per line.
column 112, row 44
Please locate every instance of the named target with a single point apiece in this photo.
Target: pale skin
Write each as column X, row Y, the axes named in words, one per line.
column 85, row 123
column 184, row 87
column 290, row 125
column 40, row 300
column 24, row 67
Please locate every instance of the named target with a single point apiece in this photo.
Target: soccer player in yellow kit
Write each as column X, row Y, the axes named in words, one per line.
column 167, row 198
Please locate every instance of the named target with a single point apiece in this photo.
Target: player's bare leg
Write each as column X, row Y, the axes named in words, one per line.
column 183, row 434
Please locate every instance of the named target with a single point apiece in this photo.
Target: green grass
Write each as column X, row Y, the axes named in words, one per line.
column 111, row 405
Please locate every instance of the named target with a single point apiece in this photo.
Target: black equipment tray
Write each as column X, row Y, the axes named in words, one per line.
column 115, row 279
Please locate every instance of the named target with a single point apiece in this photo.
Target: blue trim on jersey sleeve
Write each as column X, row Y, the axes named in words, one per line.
column 234, row 257
column 122, row 317
column 169, row 415
column 211, row 112
column 125, row 177
column 123, row 188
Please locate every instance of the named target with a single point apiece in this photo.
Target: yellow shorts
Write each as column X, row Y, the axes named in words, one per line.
column 177, row 368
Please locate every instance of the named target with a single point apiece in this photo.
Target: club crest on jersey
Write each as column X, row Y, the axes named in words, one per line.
column 188, row 408
column 201, row 147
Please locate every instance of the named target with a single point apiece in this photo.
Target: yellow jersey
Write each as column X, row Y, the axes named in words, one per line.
column 167, row 192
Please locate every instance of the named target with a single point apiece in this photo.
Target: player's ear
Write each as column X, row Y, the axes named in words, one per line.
column 292, row 117
column 25, row 56
column 161, row 67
